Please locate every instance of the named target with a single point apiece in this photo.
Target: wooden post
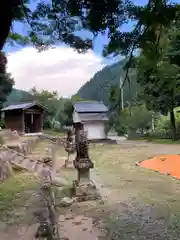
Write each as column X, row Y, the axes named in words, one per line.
column 53, row 155
column 23, row 123
column 42, row 118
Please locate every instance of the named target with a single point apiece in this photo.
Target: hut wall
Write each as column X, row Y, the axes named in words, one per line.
column 14, row 120
column 37, row 118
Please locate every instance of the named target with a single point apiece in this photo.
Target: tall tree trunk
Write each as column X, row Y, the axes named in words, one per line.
column 173, row 125
column 7, row 12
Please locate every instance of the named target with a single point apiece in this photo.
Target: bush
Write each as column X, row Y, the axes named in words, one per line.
column 2, row 140
column 121, row 129
column 163, row 123
column 2, row 124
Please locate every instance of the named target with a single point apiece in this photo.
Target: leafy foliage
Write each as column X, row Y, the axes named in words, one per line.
column 50, row 102
column 137, row 118
column 131, row 119
column 163, row 123
column 17, row 96
column 61, row 20
column 161, row 83
column 6, row 81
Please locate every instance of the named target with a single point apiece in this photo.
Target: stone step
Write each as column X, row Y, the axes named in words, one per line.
column 34, row 166
column 22, row 162
column 28, row 164
column 38, row 168
column 18, row 166
column 13, row 156
column 4, row 153
column 18, row 159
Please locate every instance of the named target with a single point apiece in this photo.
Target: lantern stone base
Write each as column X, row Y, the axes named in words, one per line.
column 85, row 191
column 69, row 162
column 84, row 188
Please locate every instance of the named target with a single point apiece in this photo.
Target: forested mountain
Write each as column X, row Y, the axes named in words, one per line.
column 97, row 88
column 17, row 96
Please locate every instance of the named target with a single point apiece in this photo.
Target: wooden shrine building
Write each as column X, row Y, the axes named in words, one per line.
column 24, row 117
column 92, row 117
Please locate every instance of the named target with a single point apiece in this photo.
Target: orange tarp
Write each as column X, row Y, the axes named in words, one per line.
column 168, row 164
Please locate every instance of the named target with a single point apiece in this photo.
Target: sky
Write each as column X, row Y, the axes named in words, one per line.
column 61, row 68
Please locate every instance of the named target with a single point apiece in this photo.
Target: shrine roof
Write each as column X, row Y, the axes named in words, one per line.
column 21, row 106
column 90, row 107
column 93, row 117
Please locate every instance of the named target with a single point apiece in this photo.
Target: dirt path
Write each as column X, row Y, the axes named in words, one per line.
column 72, row 227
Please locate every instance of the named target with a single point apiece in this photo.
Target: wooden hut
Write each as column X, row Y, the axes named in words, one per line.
column 24, row 117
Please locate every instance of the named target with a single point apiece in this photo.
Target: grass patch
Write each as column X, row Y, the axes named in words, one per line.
column 160, row 141
column 54, row 132
column 142, row 199
column 165, row 141
column 117, row 168
column 62, row 192
column 137, row 224
column 13, row 194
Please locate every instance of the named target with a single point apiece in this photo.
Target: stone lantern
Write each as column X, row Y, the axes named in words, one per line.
column 83, row 186
column 70, row 148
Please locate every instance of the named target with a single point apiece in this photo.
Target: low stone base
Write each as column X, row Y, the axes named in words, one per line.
column 24, row 147
column 14, row 146
column 68, row 164
column 85, row 191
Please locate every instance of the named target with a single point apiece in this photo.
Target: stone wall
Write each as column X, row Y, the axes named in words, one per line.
column 25, row 147
column 54, row 139
column 5, row 165
column 12, row 154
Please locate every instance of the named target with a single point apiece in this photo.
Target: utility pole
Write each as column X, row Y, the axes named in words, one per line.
column 122, row 93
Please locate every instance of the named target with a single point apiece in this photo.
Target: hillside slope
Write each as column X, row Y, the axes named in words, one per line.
column 97, row 88
column 17, row 96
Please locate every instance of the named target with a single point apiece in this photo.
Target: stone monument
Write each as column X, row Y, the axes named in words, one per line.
column 84, row 188
column 70, row 148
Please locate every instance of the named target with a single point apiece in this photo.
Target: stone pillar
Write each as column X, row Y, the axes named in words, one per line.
column 70, row 149
column 83, row 187
column 53, row 155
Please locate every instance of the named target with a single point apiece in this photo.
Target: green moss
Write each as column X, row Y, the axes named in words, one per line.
column 14, row 193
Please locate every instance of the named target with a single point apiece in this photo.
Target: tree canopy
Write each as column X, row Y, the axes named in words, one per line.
column 160, row 84
column 6, row 81
column 60, row 20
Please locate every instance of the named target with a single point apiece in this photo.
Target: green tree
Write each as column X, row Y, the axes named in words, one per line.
column 160, row 84
column 50, row 102
column 43, row 95
column 137, row 118
column 68, row 112
column 76, row 97
column 60, row 20
column 6, row 81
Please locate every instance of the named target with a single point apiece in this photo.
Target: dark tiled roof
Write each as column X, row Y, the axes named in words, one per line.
column 90, row 107
column 93, row 117
column 20, row 106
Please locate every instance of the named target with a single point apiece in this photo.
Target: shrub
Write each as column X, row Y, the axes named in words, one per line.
column 2, row 141
column 2, row 124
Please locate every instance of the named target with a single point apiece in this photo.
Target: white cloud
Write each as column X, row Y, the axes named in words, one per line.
column 61, row 69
